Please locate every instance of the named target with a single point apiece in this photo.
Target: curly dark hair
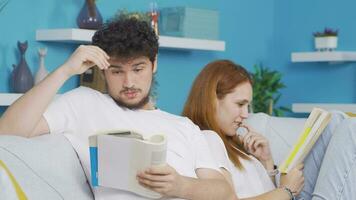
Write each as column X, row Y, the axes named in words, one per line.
column 127, row 38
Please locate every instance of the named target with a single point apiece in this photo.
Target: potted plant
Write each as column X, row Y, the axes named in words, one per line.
column 326, row 40
column 124, row 14
column 266, row 91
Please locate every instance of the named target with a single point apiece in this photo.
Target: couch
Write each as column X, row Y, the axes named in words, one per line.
column 47, row 167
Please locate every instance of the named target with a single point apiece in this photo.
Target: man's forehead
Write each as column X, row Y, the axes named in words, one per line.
column 129, row 62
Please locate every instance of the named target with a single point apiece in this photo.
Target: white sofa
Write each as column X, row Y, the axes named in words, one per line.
column 47, row 167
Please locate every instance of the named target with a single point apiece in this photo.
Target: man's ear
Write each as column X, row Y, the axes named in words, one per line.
column 155, row 65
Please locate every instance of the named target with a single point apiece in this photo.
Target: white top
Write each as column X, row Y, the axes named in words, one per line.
column 83, row 111
column 250, row 182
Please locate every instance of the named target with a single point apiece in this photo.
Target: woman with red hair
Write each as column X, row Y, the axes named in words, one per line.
column 218, row 103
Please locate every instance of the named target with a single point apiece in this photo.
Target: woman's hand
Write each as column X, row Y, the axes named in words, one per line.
column 257, row 145
column 162, row 179
column 85, row 57
column 294, row 180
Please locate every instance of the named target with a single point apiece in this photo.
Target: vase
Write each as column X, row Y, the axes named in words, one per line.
column 89, row 16
column 42, row 72
column 22, row 79
column 328, row 43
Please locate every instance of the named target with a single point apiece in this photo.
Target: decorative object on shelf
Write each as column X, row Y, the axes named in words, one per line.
column 326, row 40
column 89, row 16
column 189, row 22
column 150, row 17
column 266, row 86
column 22, row 79
column 154, row 16
column 93, row 78
column 42, row 72
column 124, row 14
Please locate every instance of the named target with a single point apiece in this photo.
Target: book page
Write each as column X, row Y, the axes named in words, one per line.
column 313, row 127
column 147, row 154
column 120, row 158
column 114, row 155
column 316, row 131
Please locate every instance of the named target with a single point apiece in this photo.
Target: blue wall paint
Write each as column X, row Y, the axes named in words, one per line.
column 247, row 28
column 255, row 31
column 295, row 21
column 21, row 18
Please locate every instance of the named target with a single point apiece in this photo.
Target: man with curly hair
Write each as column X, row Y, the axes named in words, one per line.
column 125, row 50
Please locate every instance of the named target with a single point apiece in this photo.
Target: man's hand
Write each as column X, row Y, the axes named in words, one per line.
column 162, row 179
column 85, row 57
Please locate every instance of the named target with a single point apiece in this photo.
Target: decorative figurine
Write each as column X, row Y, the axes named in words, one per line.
column 22, row 79
column 42, row 72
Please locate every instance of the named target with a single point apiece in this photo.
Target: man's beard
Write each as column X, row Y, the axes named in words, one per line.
column 137, row 105
column 151, row 95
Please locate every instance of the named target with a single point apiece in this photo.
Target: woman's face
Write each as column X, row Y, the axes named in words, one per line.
column 232, row 110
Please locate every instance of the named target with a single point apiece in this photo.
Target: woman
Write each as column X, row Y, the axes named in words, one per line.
column 219, row 101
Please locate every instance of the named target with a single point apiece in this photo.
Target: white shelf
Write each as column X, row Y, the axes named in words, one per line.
column 7, row 99
column 307, row 107
column 333, row 56
column 84, row 36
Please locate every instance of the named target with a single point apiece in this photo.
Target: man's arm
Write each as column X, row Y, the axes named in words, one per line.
column 210, row 184
column 24, row 116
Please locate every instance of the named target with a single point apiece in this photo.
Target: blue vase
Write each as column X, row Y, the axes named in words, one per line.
column 22, row 79
column 89, row 16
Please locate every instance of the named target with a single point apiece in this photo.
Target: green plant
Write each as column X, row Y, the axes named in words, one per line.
column 124, row 14
column 326, row 33
column 266, row 91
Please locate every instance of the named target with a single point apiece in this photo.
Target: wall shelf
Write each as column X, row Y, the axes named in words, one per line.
column 83, row 36
column 307, row 107
column 7, row 99
column 333, row 56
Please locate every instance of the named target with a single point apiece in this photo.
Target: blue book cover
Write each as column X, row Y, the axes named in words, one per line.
column 93, row 151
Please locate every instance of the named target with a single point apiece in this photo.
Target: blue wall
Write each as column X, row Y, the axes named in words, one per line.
column 295, row 21
column 255, row 31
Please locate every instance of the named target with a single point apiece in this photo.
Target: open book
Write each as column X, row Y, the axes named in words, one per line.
column 313, row 127
column 117, row 156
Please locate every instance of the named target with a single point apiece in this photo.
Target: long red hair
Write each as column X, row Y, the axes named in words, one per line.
column 215, row 81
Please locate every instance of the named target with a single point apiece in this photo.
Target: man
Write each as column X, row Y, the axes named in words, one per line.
column 125, row 50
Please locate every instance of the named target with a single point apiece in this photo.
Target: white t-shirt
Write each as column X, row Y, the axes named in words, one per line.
column 83, row 111
column 250, row 182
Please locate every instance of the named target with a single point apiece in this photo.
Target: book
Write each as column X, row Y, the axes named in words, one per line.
column 313, row 127
column 117, row 156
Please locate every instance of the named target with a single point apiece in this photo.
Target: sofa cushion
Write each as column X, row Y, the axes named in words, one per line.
column 46, row 167
column 281, row 132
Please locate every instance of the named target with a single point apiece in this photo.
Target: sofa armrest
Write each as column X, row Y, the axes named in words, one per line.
column 46, row 167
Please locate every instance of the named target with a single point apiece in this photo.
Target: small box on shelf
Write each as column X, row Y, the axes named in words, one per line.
column 189, row 22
